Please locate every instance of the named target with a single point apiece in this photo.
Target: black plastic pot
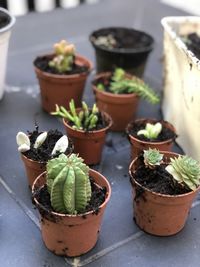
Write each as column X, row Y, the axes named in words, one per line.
column 131, row 58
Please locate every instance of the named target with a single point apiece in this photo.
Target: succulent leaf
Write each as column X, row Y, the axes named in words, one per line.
column 68, row 184
column 40, row 140
column 185, row 170
column 61, row 145
column 151, row 131
column 23, row 142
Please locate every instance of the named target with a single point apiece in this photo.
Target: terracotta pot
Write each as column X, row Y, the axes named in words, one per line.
column 121, row 107
column 89, row 145
column 60, row 89
column 137, row 145
column 33, row 168
column 159, row 214
column 71, row 235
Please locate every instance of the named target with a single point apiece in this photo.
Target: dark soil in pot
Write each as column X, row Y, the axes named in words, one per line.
column 98, row 197
column 165, row 134
column 43, row 64
column 158, row 180
column 193, row 43
column 43, row 153
column 129, row 39
column 4, row 19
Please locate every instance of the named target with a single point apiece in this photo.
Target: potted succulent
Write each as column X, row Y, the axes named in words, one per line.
column 150, row 133
column 37, row 148
column 118, row 94
column 164, row 185
column 62, row 76
column 87, row 128
column 121, row 47
column 182, row 80
column 6, row 23
column 71, row 199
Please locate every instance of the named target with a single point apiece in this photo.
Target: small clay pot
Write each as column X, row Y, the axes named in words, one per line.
column 71, row 235
column 88, row 145
column 159, row 214
column 137, row 145
column 121, row 107
column 132, row 60
column 60, row 89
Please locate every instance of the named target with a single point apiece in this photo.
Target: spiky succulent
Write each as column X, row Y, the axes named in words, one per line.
column 120, row 84
column 86, row 119
column 68, row 184
column 152, row 157
column 64, row 56
column 185, row 170
column 151, row 131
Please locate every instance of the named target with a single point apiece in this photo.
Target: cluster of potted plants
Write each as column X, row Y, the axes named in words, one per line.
column 71, row 197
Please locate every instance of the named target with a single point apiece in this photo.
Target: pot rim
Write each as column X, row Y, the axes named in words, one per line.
column 64, row 76
column 155, row 193
column 151, row 120
column 123, row 50
column 10, row 24
column 107, row 197
column 110, row 122
column 109, row 94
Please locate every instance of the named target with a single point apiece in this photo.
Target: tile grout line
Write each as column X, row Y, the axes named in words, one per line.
column 20, row 203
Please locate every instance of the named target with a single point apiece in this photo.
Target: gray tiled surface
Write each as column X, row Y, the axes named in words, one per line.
column 121, row 243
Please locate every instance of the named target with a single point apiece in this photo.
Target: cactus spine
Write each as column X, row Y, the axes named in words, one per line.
column 68, row 184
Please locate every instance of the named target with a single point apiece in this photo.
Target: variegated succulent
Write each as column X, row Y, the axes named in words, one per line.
column 152, row 157
column 185, row 170
column 151, row 131
column 64, row 56
column 68, row 184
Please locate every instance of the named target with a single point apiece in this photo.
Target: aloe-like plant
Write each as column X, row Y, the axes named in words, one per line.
column 120, row 84
column 186, row 171
column 68, row 184
column 151, row 131
column 86, row 119
column 152, row 158
column 64, row 56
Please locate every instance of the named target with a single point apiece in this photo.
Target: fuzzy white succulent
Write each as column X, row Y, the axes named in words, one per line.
column 40, row 140
column 151, row 131
column 185, row 170
column 61, row 145
column 23, row 142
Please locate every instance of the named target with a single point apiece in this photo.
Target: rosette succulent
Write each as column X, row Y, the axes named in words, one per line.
column 68, row 184
column 152, row 157
column 64, row 56
column 185, row 170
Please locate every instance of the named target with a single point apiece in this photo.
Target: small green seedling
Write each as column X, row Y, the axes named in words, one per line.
column 151, row 131
column 86, row 119
column 64, row 56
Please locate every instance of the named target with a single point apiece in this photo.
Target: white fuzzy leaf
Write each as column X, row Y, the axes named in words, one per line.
column 23, row 148
column 40, row 140
column 61, row 145
column 22, row 138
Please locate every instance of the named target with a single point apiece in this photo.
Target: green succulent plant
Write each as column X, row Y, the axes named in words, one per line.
column 151, row 131
column 185, row 170
column 152, row 157
column 86, row 119
column 120, row 84
column 68, row 184
column 64, row 56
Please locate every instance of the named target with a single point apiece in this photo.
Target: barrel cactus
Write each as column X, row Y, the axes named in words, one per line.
column 68, row 184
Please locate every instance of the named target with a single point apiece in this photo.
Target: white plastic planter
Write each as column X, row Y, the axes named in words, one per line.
column 4, row 41
column 181, row 98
